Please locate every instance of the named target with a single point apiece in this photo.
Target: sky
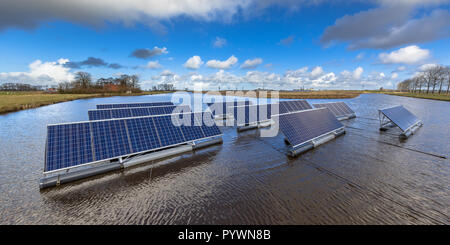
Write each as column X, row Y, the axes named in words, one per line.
column 233, row 44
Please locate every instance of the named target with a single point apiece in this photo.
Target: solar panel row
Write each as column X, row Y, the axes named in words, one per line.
column 303, row 126
column 75, row 144
column 103, row 114
column 401, row 117
column 339, row 109
column 128, row 105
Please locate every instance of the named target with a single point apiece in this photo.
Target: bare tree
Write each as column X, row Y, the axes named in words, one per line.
column 83, row 80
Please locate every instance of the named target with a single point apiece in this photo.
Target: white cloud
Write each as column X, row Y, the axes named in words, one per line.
column 252, row 64
column 425, row 67
column 40, row 73
column 317, row 71
column 227, row 64
column 357, row 73
column 407, row 55
column 194, row 62
column 220, row 42
column 153, row 65
column 394, row 76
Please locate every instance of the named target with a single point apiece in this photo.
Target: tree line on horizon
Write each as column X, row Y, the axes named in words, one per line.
column 430, row 80
column 83, row 84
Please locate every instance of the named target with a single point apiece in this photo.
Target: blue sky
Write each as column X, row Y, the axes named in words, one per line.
column 232, row 44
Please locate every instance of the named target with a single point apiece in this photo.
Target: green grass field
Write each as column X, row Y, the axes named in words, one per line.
column 15, row 101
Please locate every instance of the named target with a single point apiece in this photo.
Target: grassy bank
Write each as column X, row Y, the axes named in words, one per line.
column 325, row 94
column 15, row 101
column 445, row 97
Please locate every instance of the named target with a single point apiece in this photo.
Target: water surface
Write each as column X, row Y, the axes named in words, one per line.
column 363, row 177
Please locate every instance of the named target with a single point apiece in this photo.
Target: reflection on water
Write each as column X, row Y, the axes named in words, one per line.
column 363, row 177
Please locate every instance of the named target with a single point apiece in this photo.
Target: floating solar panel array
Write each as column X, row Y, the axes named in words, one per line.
column 128, row 105
column 402, row 118
column 76, row 144
column 306, row 129
column 340, row 110
column 102, row 114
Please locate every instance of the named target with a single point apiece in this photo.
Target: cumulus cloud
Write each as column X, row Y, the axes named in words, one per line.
column 153, row 65
column 391, row 24
column 425, row 67
column 146, row 53
column 227, row 64
column 291, row 79
column 407, row 55
column 316, row 72
column 357, row 73
column 40, row 73
column 194, row 62
column 220, row 42
column 252, row 64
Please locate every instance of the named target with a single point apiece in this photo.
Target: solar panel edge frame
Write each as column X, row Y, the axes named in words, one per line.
column 116, row 157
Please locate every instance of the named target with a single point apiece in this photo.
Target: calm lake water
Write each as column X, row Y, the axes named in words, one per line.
column 362, row 177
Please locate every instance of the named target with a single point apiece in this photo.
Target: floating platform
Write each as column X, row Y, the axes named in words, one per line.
column 69, row 175
column 400, row 117
column 297, row 150
column 255, row 125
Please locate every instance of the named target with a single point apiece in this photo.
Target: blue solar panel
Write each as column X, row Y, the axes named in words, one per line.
column 401, row 117
column 339, row 109
column 128, row 105
column 121, row 113
column 99, row 114
column 191, row 128
column 102, row 114
column 142, row 134
column 221, row 108
column 110, row 139
column 168, row 133
column 301, row 127
column 68, row 145
column 209, row 127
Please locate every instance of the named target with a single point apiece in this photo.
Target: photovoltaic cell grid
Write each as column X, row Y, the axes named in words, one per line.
column 303, row 126
column 128, row 105
column 401, row 117
column 221, row 108
column 74, row 144
column 103, row 114
column 263, row 112
column 287, row 106
column 339, row 109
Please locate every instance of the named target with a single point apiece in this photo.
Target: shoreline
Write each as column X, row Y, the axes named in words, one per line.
column 439, row 97
column 18, row 101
